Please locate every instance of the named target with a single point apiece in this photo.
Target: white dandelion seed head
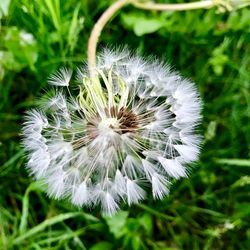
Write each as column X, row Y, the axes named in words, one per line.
column 132, row 125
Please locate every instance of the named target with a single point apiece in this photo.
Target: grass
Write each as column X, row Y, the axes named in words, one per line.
column 210, row 210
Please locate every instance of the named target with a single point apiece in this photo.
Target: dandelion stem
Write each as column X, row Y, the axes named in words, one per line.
column 146, row 5
column 94, row 36
column 177, row 7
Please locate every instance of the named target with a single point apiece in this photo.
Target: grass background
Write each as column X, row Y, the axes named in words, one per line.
column 210, row 210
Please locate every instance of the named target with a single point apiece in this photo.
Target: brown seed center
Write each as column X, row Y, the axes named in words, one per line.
column 119, row 120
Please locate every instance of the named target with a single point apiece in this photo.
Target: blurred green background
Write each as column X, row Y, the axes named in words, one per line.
column 210, row 210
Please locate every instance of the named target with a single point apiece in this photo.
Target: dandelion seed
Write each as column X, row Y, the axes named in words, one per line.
column 61, row 77
column 133, row 124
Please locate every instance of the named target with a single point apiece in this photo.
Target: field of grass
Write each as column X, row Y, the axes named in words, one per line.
column 209, row 210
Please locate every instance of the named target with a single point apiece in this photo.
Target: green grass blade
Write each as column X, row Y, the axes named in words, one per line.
column 236, row 162
column 44, row 224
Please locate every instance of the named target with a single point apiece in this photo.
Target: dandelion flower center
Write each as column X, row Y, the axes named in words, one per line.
column 107, row 123
column 120, row 121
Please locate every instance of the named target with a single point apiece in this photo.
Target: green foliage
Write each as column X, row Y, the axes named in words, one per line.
column 210, row 210
column 142, row 24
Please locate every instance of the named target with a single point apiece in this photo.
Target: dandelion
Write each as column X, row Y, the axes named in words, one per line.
column 130, row 129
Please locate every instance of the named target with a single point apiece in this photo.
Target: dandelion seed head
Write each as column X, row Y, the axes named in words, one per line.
column 132, row 125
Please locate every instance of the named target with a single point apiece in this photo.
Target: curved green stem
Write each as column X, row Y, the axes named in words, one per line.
column 96, row 31
column 147, row 5
column 177, row 7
